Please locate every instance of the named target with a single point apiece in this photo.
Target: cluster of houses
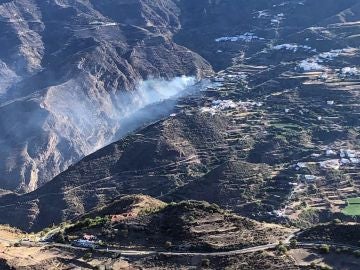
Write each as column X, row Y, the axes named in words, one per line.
column 292, row 47
column 316, row 63
column 223, row 105
column 87, row 241
column 234, row 78
column 349, row 72
column 342, row 73
column 246, row 37
column 344, row 157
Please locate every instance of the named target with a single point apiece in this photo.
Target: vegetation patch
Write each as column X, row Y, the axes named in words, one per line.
column 353, row 207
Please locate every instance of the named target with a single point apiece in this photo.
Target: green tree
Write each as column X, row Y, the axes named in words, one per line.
column 293, row 243
column 168, row 245
column 337, row 221
column 60, row 238
column 325, row 249
column 205, row 263
column 281, row 249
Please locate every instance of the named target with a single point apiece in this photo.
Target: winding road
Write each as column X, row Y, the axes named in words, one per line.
column 137, row 253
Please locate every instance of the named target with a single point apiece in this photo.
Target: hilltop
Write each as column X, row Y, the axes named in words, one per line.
column 185, row 226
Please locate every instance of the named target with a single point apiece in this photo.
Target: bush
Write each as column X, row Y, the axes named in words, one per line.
column 168, row 245
column 293, row 243
column 87, row 256
column 101, row 243
column 151, row 210
column 60, row 238
column 281, row 249
column 205, row 263
column 124, row 233
column 325, row 249
column 87, row 223
column 337, row 221
column 312, row 189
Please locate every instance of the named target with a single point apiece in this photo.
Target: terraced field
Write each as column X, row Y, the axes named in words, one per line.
column 353, row 207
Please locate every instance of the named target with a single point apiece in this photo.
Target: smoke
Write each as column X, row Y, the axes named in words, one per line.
column 155, row 90
column 48, row 133
column 93, row 118
column 84, row 117
column 7, row 78
column 45, row 135
column 150, row 92
column 152, row 100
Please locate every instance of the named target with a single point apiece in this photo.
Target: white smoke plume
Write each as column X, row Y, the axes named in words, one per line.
column 94, row 118
column 71, row 120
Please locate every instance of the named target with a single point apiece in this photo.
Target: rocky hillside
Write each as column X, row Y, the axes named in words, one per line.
column 62, row 66
column 126, row 206
column 185, row 226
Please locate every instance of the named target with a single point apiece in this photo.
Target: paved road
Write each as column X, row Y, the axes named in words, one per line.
column 131, row 253
column 152, row 252
column 134, row 253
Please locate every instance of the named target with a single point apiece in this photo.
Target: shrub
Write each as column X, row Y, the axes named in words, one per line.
column 205, row 263
column 101, row 243
column 168, row 245
column 87, row 256
column 87, row 223
column 325, row 249
column 46, row 230
column 60, row 238
column 337, row 221
column 313, row 189
column 281, row 249
column 293, row 243
column 151, row 210
column 124, row 233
